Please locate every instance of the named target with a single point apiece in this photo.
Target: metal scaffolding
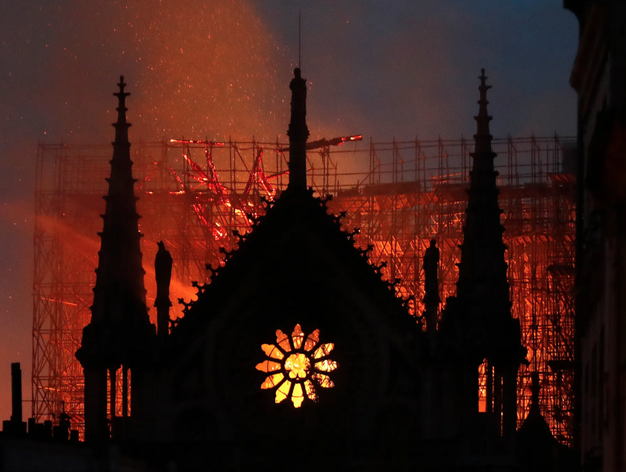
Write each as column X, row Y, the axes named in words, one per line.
column 195, row 194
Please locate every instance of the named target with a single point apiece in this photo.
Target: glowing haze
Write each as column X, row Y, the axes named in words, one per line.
column 194, row 68
column 203, row 70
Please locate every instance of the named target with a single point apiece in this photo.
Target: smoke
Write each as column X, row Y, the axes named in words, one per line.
column 194, row 69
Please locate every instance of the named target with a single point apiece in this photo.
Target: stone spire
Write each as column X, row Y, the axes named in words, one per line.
column 489, row 332
column 120, row 331
column 119, row 294
column 298, row 132
column 482, row 286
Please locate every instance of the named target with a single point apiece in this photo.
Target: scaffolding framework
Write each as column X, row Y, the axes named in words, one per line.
column 401, row 194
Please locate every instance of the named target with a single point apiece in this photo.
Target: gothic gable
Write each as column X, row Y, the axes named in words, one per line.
column 298, row 271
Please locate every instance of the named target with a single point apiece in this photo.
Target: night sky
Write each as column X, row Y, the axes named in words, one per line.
column 202, row 68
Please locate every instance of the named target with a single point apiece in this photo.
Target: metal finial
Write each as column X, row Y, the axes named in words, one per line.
column 121, row 85
column 483, row 87
column 483, row 77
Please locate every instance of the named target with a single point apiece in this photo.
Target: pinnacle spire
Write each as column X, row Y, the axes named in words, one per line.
column 119, row 333
column 120, row 263
column 483, row 102
column 298, row 132
column 481, row 313
column 121, row 126
column 483, row 135
column 120, row 275
column 482, row 286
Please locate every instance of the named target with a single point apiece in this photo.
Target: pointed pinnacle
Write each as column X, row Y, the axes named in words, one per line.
column 121, row 126
column 483, row 118
column 483, row 102
column 121, row 85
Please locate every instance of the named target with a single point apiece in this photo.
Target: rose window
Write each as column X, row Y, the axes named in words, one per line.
column 297, row 366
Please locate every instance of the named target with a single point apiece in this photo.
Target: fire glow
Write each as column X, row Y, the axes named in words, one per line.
column 197, row 213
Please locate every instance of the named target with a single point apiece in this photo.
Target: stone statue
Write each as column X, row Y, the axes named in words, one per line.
column 431, row 269
column 163, row 275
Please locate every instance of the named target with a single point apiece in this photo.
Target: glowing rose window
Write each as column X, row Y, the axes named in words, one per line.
column 296, row 366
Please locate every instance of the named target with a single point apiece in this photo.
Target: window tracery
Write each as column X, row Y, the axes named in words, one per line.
column 296, row 365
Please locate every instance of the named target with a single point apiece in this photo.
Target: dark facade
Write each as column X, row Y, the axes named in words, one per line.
column 297, row 352
column 599, row 78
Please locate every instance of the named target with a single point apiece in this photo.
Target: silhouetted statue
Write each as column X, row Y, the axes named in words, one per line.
column 163, row 274
column 298, row 132
column 431, row 268
column 298, row 99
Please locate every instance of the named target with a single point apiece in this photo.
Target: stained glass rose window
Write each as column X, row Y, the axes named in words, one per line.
column 297, row 366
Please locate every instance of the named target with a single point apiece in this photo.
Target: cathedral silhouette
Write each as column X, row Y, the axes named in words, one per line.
column 298, row 354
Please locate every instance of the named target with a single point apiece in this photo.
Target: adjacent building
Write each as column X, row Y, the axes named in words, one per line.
column 599, row 78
